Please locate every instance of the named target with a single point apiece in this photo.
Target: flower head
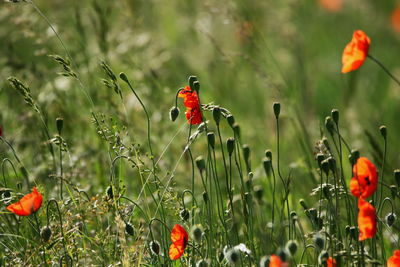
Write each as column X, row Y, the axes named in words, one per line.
column 331, row 5
column 191, row 102
column 179, row 238
column 331, row 262
column 366, row 219
column 276, row 261
column 365, row 178
column 355, row 52
column 394, row 261
column 28, row 204
column 395, row 19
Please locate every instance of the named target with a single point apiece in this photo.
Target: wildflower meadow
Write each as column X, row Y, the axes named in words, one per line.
column 200, row 133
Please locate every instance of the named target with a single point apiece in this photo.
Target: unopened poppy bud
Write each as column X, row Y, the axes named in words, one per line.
column 267, row 166
column 196, row 86
column 319, row 242
column 154, row 247
column 200, row 163
column 264, row 261
column 191, row 80
column 354, row 155
column 313, row 213
column 277, row 109
column 291, row 247
column 129, row 229
column 258, row 192
column 320, row 157
column 246, row 153
column 202, row 263
column 173, row 113
column 230, row 144
column 335, row 115
column 329, row 124
column 236, row 129
column 303, row 204
column 249, row 199
column 45, row 233
column 216, row 115
column 197, row 233
column 323, row 257
column 230, row 119
column 268, row 153
column 232, row 256
column 326, row 143
column 59, row 123
column 390, row 219
column 325, row 190
column 211, row 139
column 347, row 230
column 6, row 194
column 184, row 214
column 332, row 164
column 397, row 176
column 354, row 233
column 110, row 192
column 282, row 254
column 293, row 214
column 383, row 131
column 205, row 196
column 325, row 166
column 393, row 190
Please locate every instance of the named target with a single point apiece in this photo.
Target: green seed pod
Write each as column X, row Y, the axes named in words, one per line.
column 325, row 166
column 319, row 242
column 320, row 157
column 200, row 163
column 191, row 80
column 335, row 116
column 231, row 120
column 236, row 129
column 303, row 204
column 326, row 143
column 325, row 191
column 197, row 233
column 390, row 219
column 383, row 131
column 313, row 213
column 110, row 192
column 59, row 123
column 129, row 229
column 45, row 233
column 267, row 166
column 230, row 144
column 196, row 86
column 347, row 229
column 246, row 153
column 282, row 254
column 154, row 247
column 268, row 154
column 184, row 214
column 397, row 176
column 173, row 113
column 211, row 139
column 332, row 164
column 393, row 190
column 329, row 124
column 354, row 155
column 277, row 109
column 205, row 196
column 323, row 257
column 264, row 261
column 291, row 247
column 216, row 115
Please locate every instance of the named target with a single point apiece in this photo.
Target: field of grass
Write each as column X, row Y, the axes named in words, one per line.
column 93, row 118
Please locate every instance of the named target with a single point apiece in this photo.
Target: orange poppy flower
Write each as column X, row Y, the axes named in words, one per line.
column 179, row 238
column 395, row 19
column 275, row 261
column 365, row 178
column 191, row 102
column 355, row 52
column 331, row 262
column 394, row 261
column 28, row 204
column 331, row 5
column 366, row 219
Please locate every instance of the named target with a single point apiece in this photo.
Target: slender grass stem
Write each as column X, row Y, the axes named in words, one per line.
column 384, row 69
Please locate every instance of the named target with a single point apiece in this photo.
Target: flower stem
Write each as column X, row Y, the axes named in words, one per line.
column 384, row 68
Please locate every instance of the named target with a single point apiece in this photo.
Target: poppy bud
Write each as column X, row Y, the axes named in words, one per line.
column 211, row 139
column 196, row 86
column 325, row 166
column 323, row 257
column 197, row 233
column 202, row 263
column 124, row 77
column 332, row 164
column 155, row 247
column 329, row 124
column 335, row 116
column 303, row 204
column 319, row 242
column 291, row 246
column 45, row 233
column 205, row 196
column 191, row 80
column 397, row 176
column 184, row 214
column 236, row 129
column 313, row 213
column 267, row 166
column 232, row 256
column 259, row 192
column 354, row 155
column 264, row 261
column 354, row 233
column 268, row 153
column 320, row 158
column 59, row 123
column 347, row 229
column 246, row 153
column 390, row 219
column 231, row 120
column 383, row 131
column 249, row 199
column 325, row 191
column 282, row 254
column 129, row 229
column 173, row 113
column 109, row 191
column 277, row 109
column 230, row 144
column 6, row 194
column 200, row 163
column 325, row 142
column 393, row 190
column 217, row 115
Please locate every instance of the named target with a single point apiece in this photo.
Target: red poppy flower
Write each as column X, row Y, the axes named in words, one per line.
column 394, row 261
column 365, row 178
column 395, row 19
column 331, row 262
column 28, row 204
column 179, row 238
column 355, row 52
column 331, row 5
column 366, row 219
column 191, row 102
column 275, row 261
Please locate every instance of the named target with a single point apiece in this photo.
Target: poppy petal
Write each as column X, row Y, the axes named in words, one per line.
column 28, row 204
column 394, row 261
column 366, row 219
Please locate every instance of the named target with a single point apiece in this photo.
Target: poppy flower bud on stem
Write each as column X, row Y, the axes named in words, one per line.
column 393, row 190
column 267, row 166
column 332, row 164
column 258, row 192
column 390, row 219
column 236, row 129
column 211, row 139
column 155, row 247
column 329, row 124
column 129, row 229
column 184, row 214
column 335, row 116
column 303, row 204
column 319, row 242
column 191, row 80
column 320, row 157
column 291, row 246
column 217, row 115
column 383, row 131
column 205, row 197
column 277, row 109
column 231, row 120
column 230, row 144
column 325, row 166
column 59, row 123
column 353, row 157
column 196, row 86
column 197, row 233
column 397, row 176
column 354, row 233
column 200, row 163
column 323, row 257
column 268, row 154
column 45, row 233
column 246, row 152
column 173, row 113
column 110, row 193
